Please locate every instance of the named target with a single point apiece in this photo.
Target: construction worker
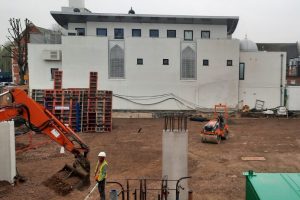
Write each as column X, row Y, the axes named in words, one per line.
column 101, row 174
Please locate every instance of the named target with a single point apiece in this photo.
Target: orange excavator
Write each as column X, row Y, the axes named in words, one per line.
column 39, row 119
column 217, row 128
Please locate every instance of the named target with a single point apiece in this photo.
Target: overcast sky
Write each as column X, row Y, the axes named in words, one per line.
column 262, row 20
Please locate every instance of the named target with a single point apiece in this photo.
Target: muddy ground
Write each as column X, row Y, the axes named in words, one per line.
column 216, row 169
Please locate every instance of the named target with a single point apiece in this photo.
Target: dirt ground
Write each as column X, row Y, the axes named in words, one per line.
column 216, row 170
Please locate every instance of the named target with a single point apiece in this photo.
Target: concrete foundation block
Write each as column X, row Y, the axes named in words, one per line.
column 7, row 152
column 175, row 160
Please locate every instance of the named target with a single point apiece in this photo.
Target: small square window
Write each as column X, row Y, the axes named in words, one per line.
column 71, row 34
column 205, row 34
column 136, row 32
column 205, row 62
column 165, row 61
column 188, row 35
column 101, row 32
column 80, row 31
column 119, row 33
column 139, row 61
column 154, row 33
column 229, row 62
column 171, row 33
column 53, row 70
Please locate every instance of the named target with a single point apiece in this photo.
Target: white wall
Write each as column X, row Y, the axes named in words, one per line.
column 293, row 93
column 81, row 55
column 72, row 26
column 217, row 83
column 40, row 69
column 216, row 31
column 7, row 152
column 262, row 78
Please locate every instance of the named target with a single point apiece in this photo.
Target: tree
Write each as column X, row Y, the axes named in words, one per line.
column 5, row 59
column 18, row 39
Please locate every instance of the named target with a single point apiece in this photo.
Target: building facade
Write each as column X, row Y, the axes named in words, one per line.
column 159, row 62
column 292, row 59
column 36, row 35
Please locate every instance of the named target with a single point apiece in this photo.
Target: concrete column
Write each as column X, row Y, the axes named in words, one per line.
column 7, row 152
column 175, row 160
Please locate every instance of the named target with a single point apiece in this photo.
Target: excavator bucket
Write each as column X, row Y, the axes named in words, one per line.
column 39, row 119
column 70, row 177
column 209, row 138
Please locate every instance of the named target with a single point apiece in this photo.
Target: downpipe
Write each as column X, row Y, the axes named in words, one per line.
column 281, row 81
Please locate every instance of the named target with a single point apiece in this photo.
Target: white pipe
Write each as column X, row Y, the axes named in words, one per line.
column 281, row 82
column 88, row 196
column 4, row 93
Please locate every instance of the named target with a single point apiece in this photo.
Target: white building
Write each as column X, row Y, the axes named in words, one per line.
column 159, row 62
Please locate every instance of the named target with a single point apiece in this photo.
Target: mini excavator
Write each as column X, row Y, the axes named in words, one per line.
column 216, row 129
column 39, row 119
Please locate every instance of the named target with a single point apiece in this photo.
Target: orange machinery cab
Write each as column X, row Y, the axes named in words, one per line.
column 216, row 129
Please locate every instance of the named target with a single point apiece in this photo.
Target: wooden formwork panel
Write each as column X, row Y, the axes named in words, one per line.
column 75, row 108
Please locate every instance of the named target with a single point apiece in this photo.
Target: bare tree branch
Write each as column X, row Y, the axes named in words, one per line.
column 6, row 48
column 18, row 39
column 10, row 41
column 12, row 33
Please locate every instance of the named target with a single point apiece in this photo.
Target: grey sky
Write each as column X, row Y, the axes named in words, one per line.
column 261, row 20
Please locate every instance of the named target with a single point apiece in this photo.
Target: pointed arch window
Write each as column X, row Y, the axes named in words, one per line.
column 188, row 64
column 116, row 62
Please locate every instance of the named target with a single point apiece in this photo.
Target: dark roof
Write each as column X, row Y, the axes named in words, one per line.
column 44, row 30
column 291, row 49
column 63, row 18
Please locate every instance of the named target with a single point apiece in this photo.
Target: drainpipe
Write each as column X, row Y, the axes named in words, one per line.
column 281, row 81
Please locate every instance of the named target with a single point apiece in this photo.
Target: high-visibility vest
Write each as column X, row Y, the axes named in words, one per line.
column 102, row 171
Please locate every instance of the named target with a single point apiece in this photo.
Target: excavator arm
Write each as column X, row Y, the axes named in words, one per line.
column 39, row 119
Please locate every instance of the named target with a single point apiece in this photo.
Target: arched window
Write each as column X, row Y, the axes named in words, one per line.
column 116, row 63
column 188, row 63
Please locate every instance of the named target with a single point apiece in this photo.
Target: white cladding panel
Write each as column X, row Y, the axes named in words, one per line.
column 40, row 69
column 293, row 93
column 262, row 78
column 152, row 78
column 81, row 55
column 217, row 83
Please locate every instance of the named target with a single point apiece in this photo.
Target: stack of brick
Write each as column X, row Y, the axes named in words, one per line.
column 83, row 109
